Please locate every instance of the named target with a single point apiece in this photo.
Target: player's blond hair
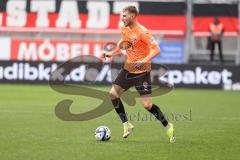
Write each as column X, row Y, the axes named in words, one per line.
column 131, row 9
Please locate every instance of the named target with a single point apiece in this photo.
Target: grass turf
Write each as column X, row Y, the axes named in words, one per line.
column 206, row 123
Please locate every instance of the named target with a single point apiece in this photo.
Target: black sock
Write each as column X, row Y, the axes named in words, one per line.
column 155, row 110
column 119, row 108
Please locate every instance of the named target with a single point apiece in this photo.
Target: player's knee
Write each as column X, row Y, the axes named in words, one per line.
column 113, row 95
column 147, row 105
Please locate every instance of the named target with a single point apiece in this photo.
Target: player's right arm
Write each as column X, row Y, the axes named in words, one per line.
column 114, row 52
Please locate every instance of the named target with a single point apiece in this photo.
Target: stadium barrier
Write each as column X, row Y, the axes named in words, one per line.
column 61, row 50
column 189, row 76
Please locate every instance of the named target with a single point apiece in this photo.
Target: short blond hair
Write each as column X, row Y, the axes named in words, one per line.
column 131, row 9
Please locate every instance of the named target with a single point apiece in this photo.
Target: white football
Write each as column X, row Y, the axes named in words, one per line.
column 102, row 133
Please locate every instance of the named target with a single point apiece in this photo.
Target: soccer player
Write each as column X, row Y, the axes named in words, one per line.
column 140, row 49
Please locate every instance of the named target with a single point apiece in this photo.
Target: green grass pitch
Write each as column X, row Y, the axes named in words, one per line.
column 207, row 125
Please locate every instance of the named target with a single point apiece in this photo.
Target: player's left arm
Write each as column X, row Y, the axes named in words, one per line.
column 152, row 44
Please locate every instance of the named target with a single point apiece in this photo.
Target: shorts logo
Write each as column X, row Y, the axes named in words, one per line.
column 145, row 85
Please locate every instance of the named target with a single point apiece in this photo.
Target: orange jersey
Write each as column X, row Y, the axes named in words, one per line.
column 142, row 43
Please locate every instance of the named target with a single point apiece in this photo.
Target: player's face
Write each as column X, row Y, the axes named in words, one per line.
column 127, row 18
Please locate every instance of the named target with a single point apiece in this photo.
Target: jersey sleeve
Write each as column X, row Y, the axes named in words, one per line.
column 148, row 39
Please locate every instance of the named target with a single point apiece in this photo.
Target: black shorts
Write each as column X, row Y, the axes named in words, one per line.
column 141, row 81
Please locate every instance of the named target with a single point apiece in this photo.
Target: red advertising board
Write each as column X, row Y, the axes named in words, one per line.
column 48, row 50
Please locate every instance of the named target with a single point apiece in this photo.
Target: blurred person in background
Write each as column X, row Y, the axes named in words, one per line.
column 216, row 29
